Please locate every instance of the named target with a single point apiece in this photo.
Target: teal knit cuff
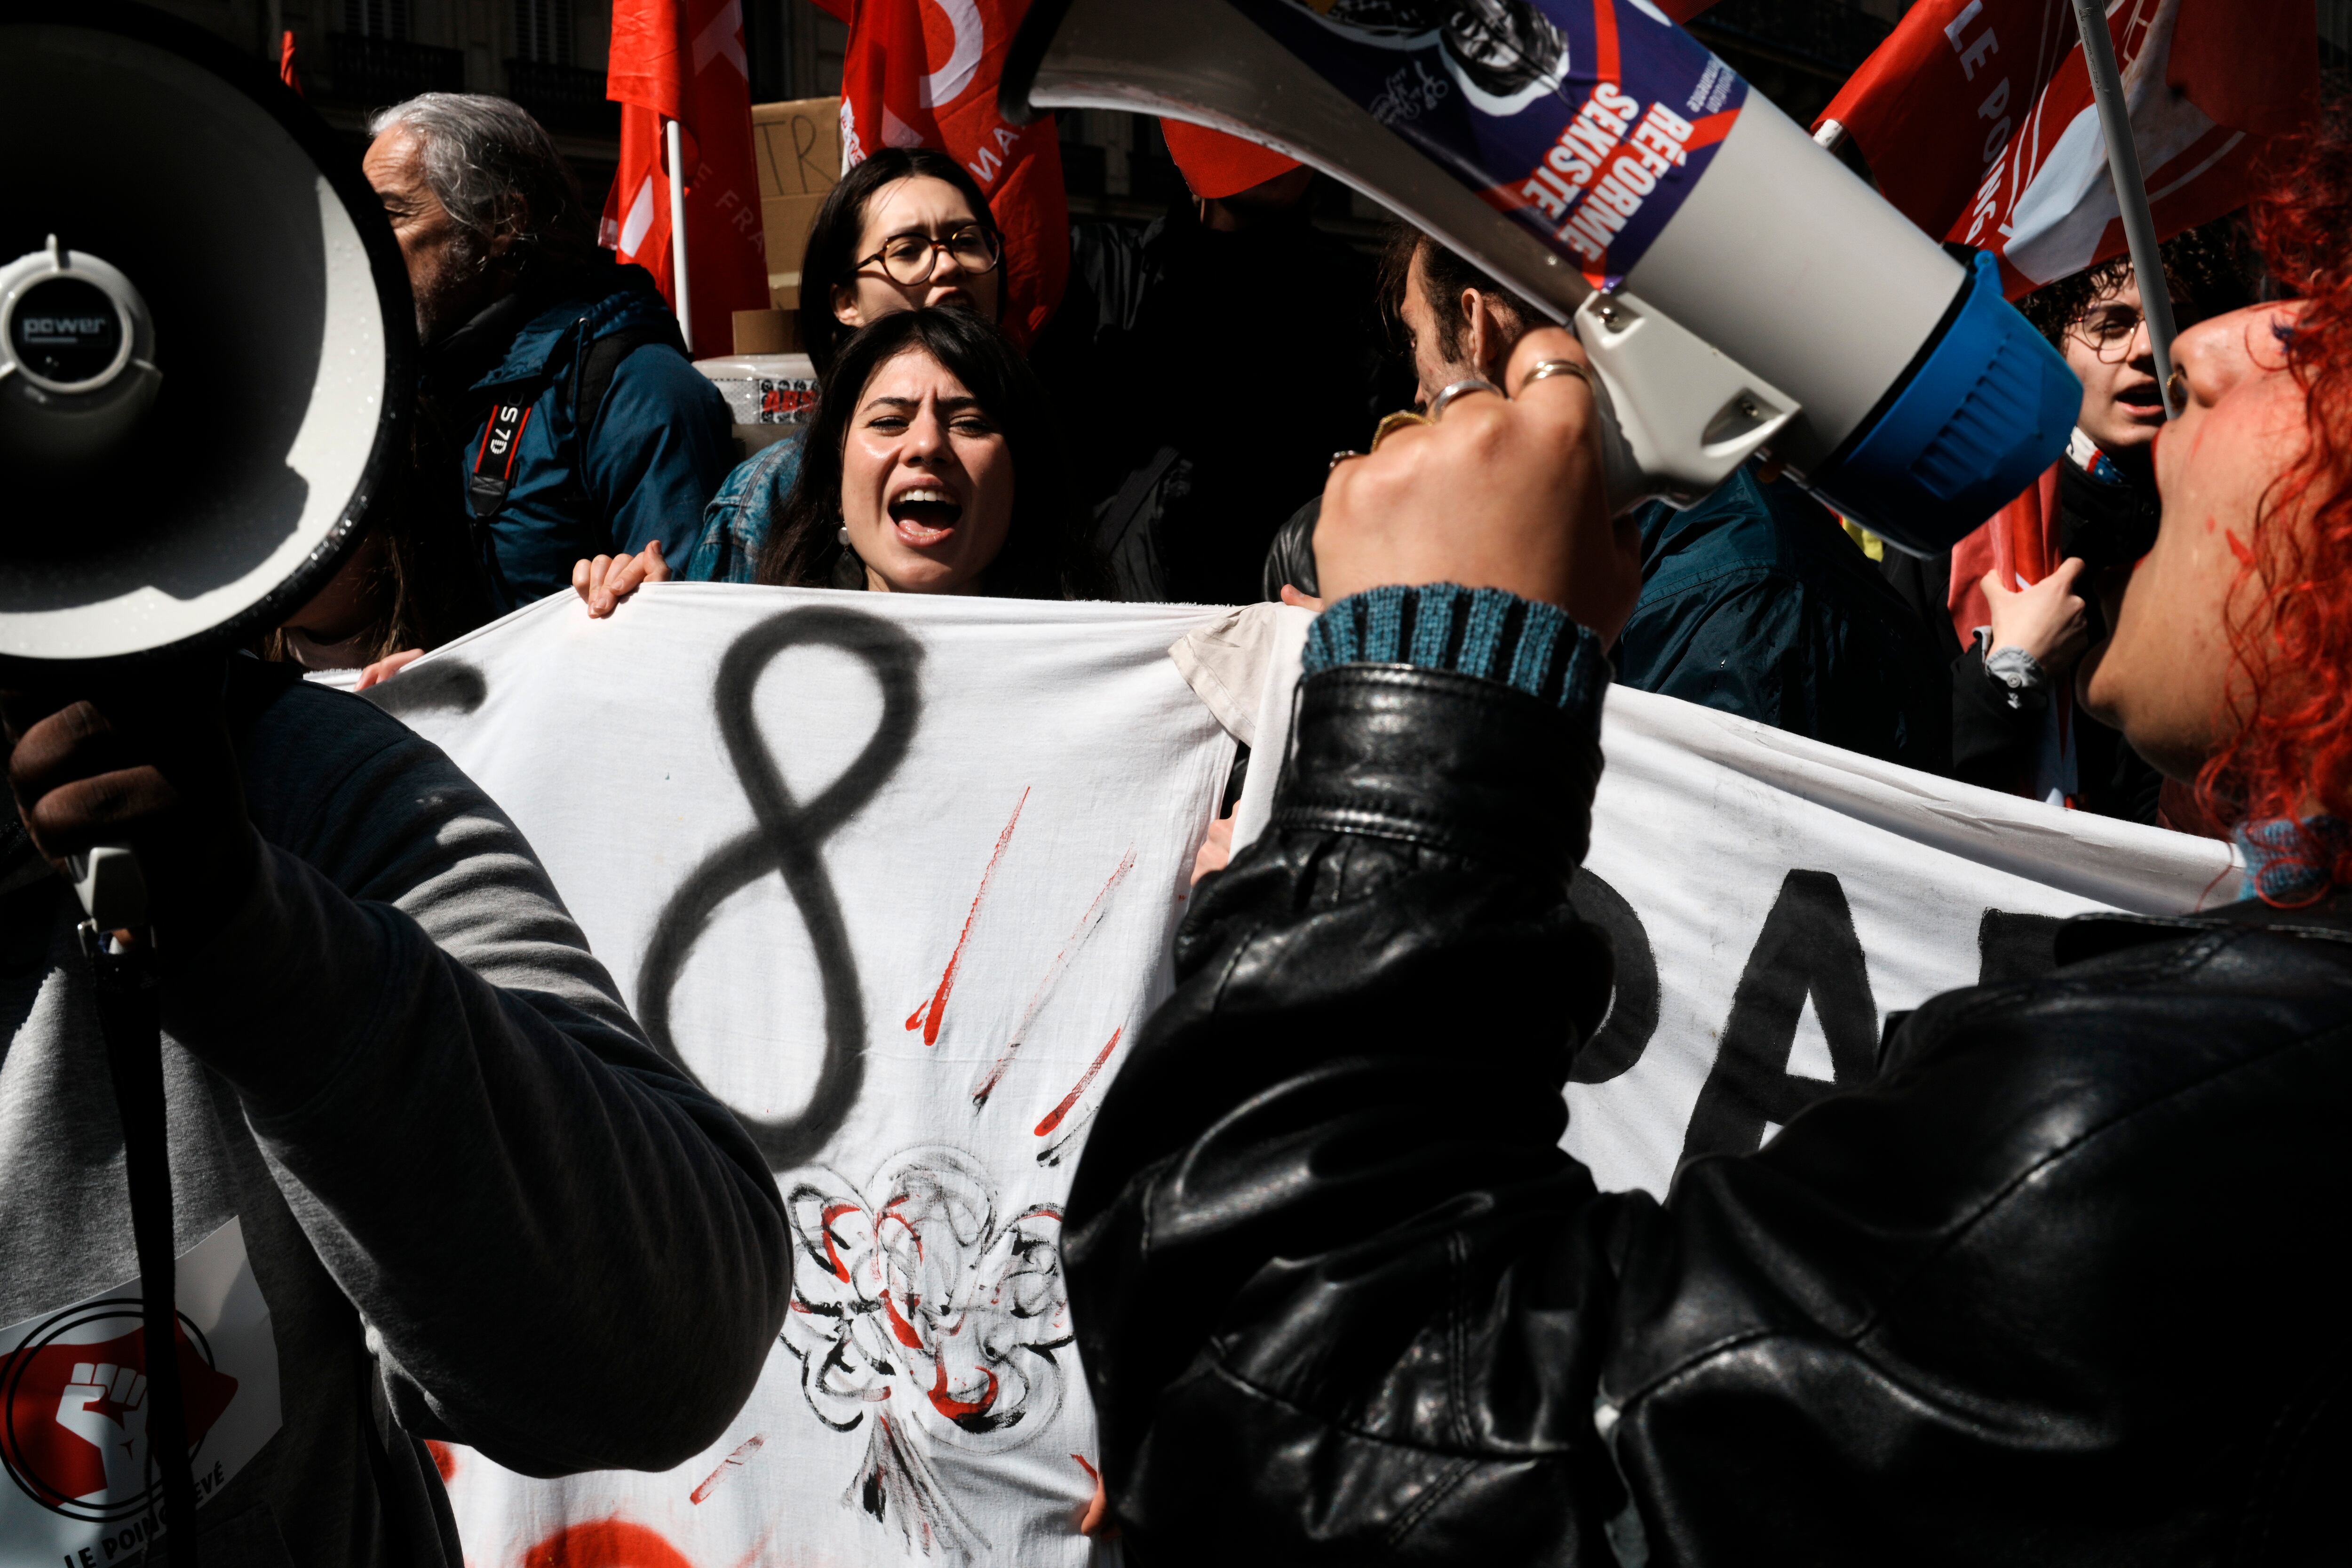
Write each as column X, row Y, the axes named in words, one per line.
column 1530, row 647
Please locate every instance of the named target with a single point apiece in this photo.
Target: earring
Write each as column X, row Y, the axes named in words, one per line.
column 843, row 534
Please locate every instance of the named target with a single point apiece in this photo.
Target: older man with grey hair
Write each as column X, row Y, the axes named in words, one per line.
column 577, row 425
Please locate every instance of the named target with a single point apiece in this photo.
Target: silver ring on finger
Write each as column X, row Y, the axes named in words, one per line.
column 1463, row 388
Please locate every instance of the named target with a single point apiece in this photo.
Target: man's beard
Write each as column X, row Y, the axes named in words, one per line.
column 458, row 291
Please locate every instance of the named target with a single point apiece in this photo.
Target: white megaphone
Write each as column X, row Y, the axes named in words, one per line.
column 1739, row 292
column 206, row 345
column 206, row 340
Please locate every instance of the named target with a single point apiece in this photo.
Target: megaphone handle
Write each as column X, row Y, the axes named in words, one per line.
column 131, row 1021
column 111, row 886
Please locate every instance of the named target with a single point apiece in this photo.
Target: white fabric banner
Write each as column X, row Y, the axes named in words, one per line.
column 895, row 879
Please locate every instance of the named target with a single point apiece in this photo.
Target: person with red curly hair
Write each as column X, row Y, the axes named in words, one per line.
column 2235, row 673
column 2056, row 1286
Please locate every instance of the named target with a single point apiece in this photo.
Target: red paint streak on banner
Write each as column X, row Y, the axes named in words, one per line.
column 1604, row 40
column 926, row 1017
column 890, row 1212
column 1054, row 1117
column 833, row 1212
column 605, row 1543
column 900, row 1329
column 953, row 1408
column 1079, row 936
column 1092, row 1474
column 735, row 1461
column 444, row 1458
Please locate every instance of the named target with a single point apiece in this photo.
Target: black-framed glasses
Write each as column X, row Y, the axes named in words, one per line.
column 911, row 258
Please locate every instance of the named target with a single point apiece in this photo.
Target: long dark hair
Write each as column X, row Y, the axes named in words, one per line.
column 1045, row 553
column 830, row 259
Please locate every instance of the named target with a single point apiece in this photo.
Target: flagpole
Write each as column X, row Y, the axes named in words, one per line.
column 2131, row 191
column 678, row 233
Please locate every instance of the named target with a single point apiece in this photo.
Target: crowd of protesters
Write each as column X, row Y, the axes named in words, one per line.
column 2088, row 1219
column 1249, row 346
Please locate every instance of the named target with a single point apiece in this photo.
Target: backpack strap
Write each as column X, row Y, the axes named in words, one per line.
column 593, row 373
column 592, row 379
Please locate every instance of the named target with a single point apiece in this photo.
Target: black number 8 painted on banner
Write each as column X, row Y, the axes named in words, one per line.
column 786, row 838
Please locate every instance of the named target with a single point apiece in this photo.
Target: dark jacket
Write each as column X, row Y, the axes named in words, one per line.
column 2052, row 1290
column 1204, row 380
column 1755, row 602
column 478, row 1207
column 1996, row 735
column 641, row 464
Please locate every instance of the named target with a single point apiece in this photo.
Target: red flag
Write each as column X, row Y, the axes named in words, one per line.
column 1215, row 166
column 286, row 62
column 683, row 60
column 1978, row 120
column 923, row 73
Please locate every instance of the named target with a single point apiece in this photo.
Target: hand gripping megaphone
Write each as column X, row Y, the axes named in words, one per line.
column 207, row 346
column 1738, row 290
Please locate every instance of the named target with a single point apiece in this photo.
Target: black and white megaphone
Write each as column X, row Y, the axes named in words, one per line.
column 1739, row 292
column 207, row 347
column 206, row 339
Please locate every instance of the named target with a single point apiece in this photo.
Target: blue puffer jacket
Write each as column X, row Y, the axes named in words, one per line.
column 654, row 451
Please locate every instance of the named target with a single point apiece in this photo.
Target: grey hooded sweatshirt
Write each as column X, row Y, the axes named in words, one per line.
column 475, row 1204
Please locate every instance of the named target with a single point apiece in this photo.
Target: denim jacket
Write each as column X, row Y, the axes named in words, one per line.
column 735, row 523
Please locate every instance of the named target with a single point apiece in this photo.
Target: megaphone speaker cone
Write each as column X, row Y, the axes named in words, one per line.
column 206, row 339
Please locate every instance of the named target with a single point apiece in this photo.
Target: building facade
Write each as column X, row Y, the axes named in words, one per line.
column 355, row 56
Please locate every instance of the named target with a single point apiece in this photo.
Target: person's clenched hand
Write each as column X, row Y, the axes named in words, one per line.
column 1496, row 494
column 147, row 764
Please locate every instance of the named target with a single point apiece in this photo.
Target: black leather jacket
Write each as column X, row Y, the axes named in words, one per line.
column 2052, row 1289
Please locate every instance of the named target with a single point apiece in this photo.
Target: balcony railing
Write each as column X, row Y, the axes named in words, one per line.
column 564, row 98
column 379, row 71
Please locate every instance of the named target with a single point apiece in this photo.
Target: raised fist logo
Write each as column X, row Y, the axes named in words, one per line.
column 74, row 1406
column 106, row 1407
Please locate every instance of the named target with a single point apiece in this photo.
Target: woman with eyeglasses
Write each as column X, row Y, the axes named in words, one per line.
column 906, row 229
